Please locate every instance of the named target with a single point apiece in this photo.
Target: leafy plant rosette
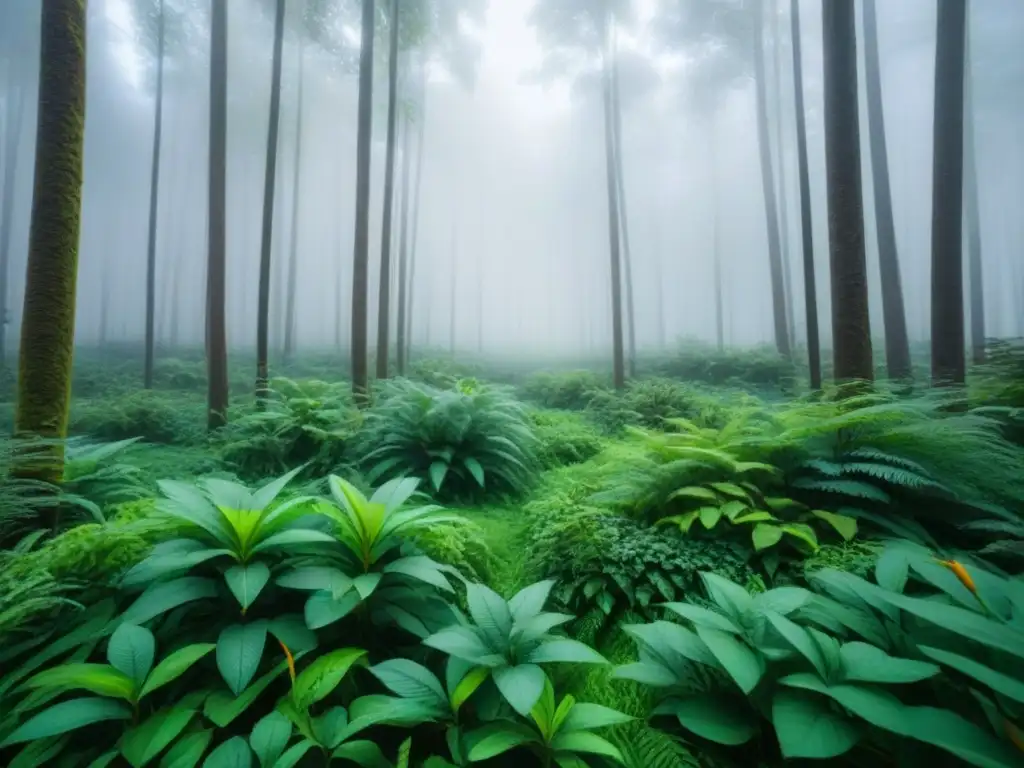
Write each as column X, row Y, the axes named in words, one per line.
column 855, row 666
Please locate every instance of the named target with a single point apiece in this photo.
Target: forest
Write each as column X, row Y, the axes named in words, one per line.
column 556, row 383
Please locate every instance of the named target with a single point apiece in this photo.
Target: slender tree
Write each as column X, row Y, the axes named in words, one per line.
column 403, row 249
column 897, row 345
column 618, row 361
column 768, row 187
column 154, row 187
column 361, row 249
column 810, row 288
column 620, row 182
column 780, row 156
column 269, row 186
column 291, row 308
column 216, row 274
column 453, row 276
column 13, row 123
column 384, row 295
column 851, row 328
column 421, row 128
column 947, row 195
column 48, row 317
column 972, row 209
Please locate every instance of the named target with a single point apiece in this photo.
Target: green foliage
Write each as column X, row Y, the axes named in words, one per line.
column 309, row 423
column 465, row 441
column 696, row 362
column 94, row 480
column 651, row 403
column 462, row 545
column 566, row 391
column 564, row 439
column 155, row 417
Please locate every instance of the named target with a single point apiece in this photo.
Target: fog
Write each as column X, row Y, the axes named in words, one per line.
column 512, row 246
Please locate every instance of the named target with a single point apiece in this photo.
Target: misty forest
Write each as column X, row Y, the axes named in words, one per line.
column 556, row 383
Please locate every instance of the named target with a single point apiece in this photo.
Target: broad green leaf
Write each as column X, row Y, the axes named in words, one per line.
column 188, row 750
column 100, row 762
column 694, row 493
column 744, row 666
column 491, row 614
column 438, row 470
column 144, row 742
column 949, row 731
column 315, row 578
column 294, row 754
column 364, row 753
column 521, row 685
column 321, row 677
column 712, row 718
column 158, row 566
column 783, row 600
column 497, row 739
column 567, row 651
column 709, row 516
column 246, row 582
column 222, row 708
column 808, row 728
column 41, row 752
column 131, row 650
column 802, row 532
column 68, row 716
column 269, row 738
column 294, row 537
column 591, row 743
column 530, row 600
column 409, row 680
column 463, row 642
column 475, row 469
column 703, row 617
column 867, row 664
column 876, row 706
column 732, row 598
column 800, row 639
column 648, row 673
column 264, row 496
column 422, row 568
column 366, row 583
column 587, row 717
column 668, row 641
column 233, row 753
column 162, row 597
column 467, row 686
column 95, row 678
column 239, row 650
column 1001, row 683
column 174, row 666
column 843, row 525
column 291, row 629
column 323, row 609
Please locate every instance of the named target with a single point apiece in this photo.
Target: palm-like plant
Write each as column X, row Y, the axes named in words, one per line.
column 473, row 437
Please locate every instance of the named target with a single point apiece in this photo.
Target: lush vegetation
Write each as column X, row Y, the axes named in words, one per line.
column 462, row 573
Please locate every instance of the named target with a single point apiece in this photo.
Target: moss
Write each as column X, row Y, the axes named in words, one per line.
column 856, row 557
column 462, row 546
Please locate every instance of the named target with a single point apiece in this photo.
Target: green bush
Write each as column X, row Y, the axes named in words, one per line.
column 759, row 366
column 466, row 441
column 564, row 438
column 153, row 416
column 567, row 391
column 651, row 403
column 308, row 422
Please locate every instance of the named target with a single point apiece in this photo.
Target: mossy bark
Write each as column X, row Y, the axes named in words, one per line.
column 48, row 320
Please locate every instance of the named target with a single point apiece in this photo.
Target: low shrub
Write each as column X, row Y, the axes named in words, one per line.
column 759, row 366
column 156, row 417
column 650, row 403
column 564, row 438
column 566, row 391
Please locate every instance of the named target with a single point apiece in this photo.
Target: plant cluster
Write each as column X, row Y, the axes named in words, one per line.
column 759, row 366
column 156, row 417
column 564, row 438
column 464, row 442
column 564, row 391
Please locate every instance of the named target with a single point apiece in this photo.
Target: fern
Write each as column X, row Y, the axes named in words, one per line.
column 895, row 476
column 645, row 747
column 850, row 488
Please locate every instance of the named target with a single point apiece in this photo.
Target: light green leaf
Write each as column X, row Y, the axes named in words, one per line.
column 467, row 686
column 530, row 600
column 463, row 643
column 247, row 581
column 712, row 718
column 567, row 651
column 732, row 598
column 222, row 708
column 188, row 750
column 744, row 666
column 491, row 614
column 521, row 685
column 709, row 516
column 364, row 753
column 422, row 568
column 867, row 664
column 581, row 741
column 410, row 680
column 68, row 716
column 95, row 678
column 233, row 753
column 765, row 536
column 876, row 706
column 269, row 738
column 587, row 717
column 366, row 583
column 475, row 470
column 701, row 616
column 143, row 743
column 807, row 728
column 497, row 739
column 160, row 598
column 843, row 525
column 315, row 578
column 291, row 629
column 321, row 677
column 1003, row 684
column 438, row 470
column 323, row 609
column 131, row 650
column 294, row 754
column 949, row 731
column 799, row 638
column 174, row 666
column 239, row 650
column 294, row 537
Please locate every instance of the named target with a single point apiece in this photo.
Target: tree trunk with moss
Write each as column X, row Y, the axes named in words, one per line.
column 217, row 342
column 48, row 319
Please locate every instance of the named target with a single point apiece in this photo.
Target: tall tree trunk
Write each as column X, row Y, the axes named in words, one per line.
column 620, row 181
column 787, row 264
column 403, row 250
column 479, row 305
column 618, row 362
column 216, row 268
column 659, row 297
column 851, row 326
column 716, row 253
column 420, row 134
column 175, row 320
column 48, row 318
column 974, row 264
column 291, row 309
column 453, row 276
column 384, row 294
column 897, row 345
column 12, row 141
column 768, row 188
column 361, row 249
column 154, row 189
column 103, row 334
column 947, row 195
column 267, row 234
column 810, row 288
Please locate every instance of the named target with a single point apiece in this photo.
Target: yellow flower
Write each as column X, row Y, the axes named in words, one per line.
column 962, row 574
column 291, row 660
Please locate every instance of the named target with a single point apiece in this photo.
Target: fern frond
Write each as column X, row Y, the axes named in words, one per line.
column 823, row 467
column 896, row 476
column 852, row 488
column 645, row 747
